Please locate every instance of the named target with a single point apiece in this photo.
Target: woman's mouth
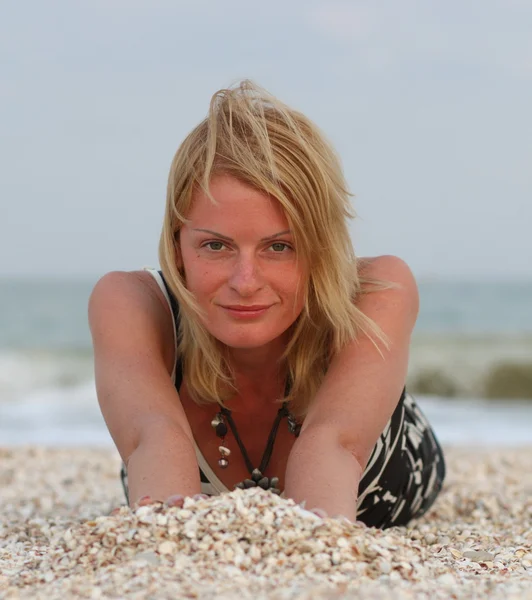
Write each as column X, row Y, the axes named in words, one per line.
column 241, row 311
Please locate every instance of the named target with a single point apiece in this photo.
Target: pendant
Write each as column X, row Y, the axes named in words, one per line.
column 293, row 426
column 219, row 425
column 223, row 462
column 259, row 480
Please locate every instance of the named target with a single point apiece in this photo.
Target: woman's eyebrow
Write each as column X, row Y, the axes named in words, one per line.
column 224, row 237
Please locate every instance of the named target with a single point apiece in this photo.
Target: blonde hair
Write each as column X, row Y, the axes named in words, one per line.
column 257, row 139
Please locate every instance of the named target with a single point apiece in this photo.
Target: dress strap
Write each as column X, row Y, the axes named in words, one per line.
column 178, row 368
column 158, row 276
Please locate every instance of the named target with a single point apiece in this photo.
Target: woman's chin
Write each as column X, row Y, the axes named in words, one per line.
column 246, row 343
column 246, row 340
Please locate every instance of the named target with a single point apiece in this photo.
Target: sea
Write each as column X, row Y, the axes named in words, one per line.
column 470, row 363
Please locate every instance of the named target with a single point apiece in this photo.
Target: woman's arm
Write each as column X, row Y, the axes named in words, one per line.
column 323, row 474
column 356, row 399
column 138, row 400
column 163, row 464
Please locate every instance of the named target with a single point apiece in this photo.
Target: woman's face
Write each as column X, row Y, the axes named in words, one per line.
column 240, row 263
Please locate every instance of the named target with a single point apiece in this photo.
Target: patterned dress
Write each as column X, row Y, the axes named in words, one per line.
column 405, row 471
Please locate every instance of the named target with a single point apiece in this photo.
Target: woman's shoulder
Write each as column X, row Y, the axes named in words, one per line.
column 135, row 290
column 138, row 284
column 392, row 280
column 385, row 266
column 132, row 299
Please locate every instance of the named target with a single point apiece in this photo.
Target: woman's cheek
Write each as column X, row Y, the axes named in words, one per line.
column 202, row 276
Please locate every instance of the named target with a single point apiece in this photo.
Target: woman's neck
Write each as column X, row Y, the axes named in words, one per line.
column 254, row 361
column 260, row 379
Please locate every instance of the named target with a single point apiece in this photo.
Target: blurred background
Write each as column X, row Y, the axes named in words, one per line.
column 427, row 104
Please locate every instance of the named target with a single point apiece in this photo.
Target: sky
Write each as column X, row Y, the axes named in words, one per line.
column 428, row 105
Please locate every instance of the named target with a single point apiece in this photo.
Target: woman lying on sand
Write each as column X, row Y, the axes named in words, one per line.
column 264, row 352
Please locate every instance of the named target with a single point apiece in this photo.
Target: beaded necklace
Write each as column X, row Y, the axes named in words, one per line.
column 257, row 477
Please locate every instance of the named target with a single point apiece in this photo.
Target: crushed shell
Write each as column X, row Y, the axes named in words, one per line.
column 57, row 540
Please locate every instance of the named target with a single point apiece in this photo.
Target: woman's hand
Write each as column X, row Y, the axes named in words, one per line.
column 178, row 500
column 175, row 500
column 319, row 512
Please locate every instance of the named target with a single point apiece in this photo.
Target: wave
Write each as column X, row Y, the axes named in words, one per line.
column 50, row 397
column 73, row 418
column 465, row 366
column 35, row 373
column 471, row 366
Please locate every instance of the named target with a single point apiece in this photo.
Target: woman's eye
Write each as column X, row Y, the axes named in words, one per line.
column 279, row 247
column 216, row 246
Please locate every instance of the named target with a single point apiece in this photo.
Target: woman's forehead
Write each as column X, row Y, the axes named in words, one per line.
column 236, row 204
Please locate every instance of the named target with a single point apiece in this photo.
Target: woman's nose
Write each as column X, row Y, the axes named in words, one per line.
column 245, row 277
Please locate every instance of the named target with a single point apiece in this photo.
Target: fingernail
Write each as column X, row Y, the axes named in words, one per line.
column 343, row 519
column 176, row 500
column 200, row 496
column 144, row 500
column 321, row 513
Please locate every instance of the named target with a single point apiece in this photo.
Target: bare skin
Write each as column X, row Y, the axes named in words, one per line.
column 239, row 255
column 253, row 426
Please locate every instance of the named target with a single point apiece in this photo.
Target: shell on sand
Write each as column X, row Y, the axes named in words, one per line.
column 58, row 540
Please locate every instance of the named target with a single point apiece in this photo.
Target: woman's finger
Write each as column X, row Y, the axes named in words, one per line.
column 176, row 500
column 200, row 496
column 319, row 512
column 144, row 501
column 341, row 518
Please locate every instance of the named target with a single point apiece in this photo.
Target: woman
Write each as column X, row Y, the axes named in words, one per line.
column 264, row 352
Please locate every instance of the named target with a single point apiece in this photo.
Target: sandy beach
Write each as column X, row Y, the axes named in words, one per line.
column 57, row 539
